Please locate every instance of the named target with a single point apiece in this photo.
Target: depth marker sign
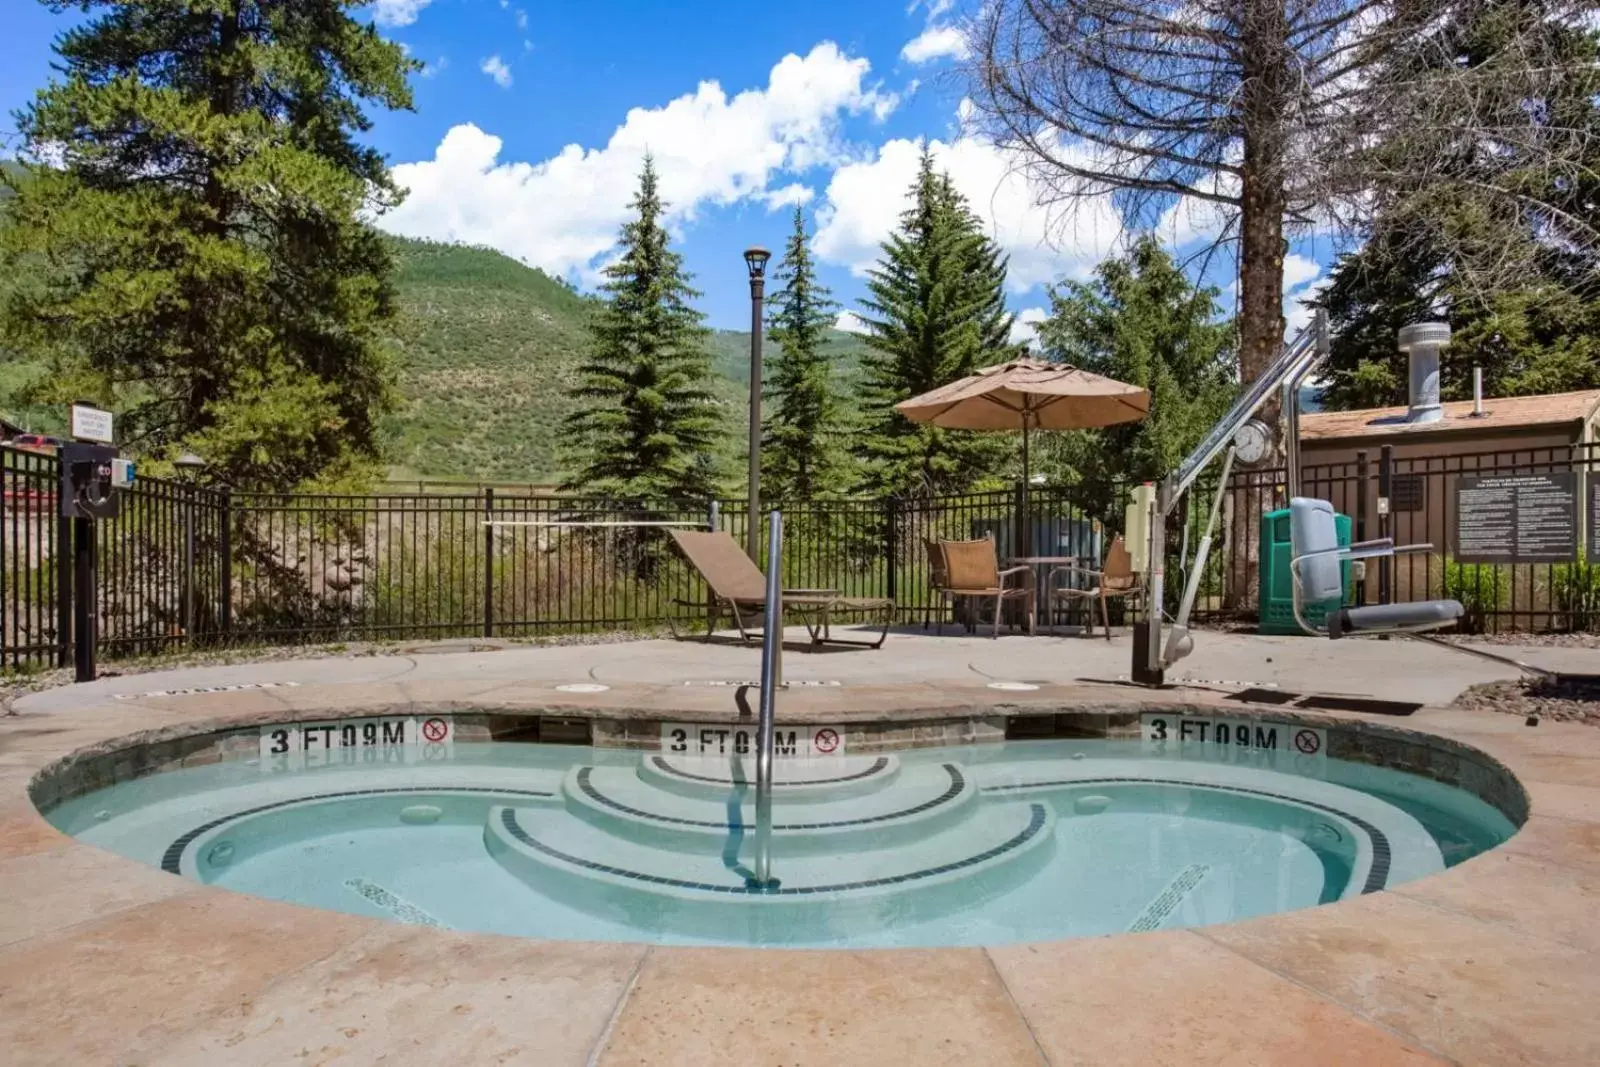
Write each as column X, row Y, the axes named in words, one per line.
column 345, row 741
column 1269, row 741
column 731, row 739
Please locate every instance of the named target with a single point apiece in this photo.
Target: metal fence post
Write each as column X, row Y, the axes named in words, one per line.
column 64, row 579
column 892, row 549
column 1385, row 522
column 85, row 602
column 225, row 562
column 488, row 561
column 1363, row 483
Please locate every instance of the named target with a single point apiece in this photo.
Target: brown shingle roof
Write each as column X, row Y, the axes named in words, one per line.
column 1499, row 413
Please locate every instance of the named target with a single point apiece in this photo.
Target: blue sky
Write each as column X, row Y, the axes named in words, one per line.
column 531, row 119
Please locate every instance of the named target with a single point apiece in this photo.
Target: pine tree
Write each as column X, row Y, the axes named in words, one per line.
column 936, row 313
column 1141, row 321
column 799, row 447
column 646, row 423
column 197, row 257
column 1534, row 326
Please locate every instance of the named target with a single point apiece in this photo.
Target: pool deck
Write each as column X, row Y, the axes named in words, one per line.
column 1497, row 961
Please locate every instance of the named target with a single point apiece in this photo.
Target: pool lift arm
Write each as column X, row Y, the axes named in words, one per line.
column 1316, row 553
column 1293, row 363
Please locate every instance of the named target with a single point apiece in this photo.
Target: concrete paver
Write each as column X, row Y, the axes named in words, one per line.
column 1195, row 1003
column 33, row 902
column 110, row 990
column 691, row 1007
column 408, row 995
column 1475, row 992
column 1515, row 891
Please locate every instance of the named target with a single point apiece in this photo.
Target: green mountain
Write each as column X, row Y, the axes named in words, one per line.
column 487, row 349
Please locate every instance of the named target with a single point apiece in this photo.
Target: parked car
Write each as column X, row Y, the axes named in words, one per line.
column 35, row 442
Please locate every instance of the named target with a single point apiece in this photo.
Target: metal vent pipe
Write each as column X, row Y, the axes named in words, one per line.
column 1422, row 341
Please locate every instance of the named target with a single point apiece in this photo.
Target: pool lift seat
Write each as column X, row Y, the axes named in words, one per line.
column 1317, row 575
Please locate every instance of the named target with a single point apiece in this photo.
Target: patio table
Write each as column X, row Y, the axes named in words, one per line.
column 1041, row 600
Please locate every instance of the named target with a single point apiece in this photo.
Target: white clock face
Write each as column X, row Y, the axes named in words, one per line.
column 1252, row 442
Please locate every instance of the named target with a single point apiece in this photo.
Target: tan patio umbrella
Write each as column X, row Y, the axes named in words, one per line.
column 1028, row 395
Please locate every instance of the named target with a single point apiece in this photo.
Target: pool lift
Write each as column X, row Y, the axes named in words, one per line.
column 1316, row 557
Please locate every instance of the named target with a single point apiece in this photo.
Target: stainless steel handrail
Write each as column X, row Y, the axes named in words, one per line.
column 771, row 658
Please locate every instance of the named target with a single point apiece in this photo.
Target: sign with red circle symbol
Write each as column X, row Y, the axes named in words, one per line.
column 1308, row 742
column 826, row 741
column 435, row 730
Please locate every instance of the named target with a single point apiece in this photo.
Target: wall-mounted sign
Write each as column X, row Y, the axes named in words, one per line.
column 1517, row 518
column 91, row 424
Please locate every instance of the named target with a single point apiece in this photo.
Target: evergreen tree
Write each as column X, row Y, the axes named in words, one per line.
column 196, row 258
column 646, row 423
column 1533, row 325
column 1141, row 321
column 936, row 313
column 799, row 446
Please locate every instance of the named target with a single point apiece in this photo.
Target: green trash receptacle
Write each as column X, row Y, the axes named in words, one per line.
column 1277, row 589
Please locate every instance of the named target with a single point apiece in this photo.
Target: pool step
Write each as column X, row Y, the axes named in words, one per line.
column 795, row 781
column 924, row 799
column 708, row 893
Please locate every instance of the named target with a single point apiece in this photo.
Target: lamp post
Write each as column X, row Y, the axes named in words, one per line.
column 755, row 258
column 188, row 465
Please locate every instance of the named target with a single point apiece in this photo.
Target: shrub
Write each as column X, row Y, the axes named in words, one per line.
column 1482, row 589
column 1575, row 594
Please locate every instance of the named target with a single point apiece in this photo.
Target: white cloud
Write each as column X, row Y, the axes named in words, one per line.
column 789, row 196
column 850, row 322
column 1298, row 270
column 935, row 42
column 522, row 19
column 430, row 69
column 1025, row 327
column 864, row 200
column 496, row 68
column 397, row 12
column 562, row 213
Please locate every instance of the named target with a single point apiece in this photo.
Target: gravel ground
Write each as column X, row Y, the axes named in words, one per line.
column 15, row 686
column 1582, row 640
column 1565, row 700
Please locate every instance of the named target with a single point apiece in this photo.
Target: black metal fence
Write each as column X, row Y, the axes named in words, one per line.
column 186, row 567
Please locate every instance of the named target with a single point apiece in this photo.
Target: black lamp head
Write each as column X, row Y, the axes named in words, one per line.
column 756, row 258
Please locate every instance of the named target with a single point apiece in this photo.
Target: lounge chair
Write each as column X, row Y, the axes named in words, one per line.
column 972, row 572
column 1116, row 578
column 737, row 583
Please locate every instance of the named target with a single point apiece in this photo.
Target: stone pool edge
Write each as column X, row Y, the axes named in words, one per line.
column 1489, row 949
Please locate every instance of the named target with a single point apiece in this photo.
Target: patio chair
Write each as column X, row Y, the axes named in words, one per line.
column 738, row 584
column 1116, row 578
column 938, row 578
column 972, row 572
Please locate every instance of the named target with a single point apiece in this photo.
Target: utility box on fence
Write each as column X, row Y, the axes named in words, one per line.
column 1276, row 596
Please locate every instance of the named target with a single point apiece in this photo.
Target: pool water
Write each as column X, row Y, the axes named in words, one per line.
column 971, row 845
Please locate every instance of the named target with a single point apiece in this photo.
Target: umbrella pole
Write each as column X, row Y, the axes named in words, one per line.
column 1027, row 487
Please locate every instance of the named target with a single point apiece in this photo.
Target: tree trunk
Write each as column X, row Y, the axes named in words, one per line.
column 1261, row 248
